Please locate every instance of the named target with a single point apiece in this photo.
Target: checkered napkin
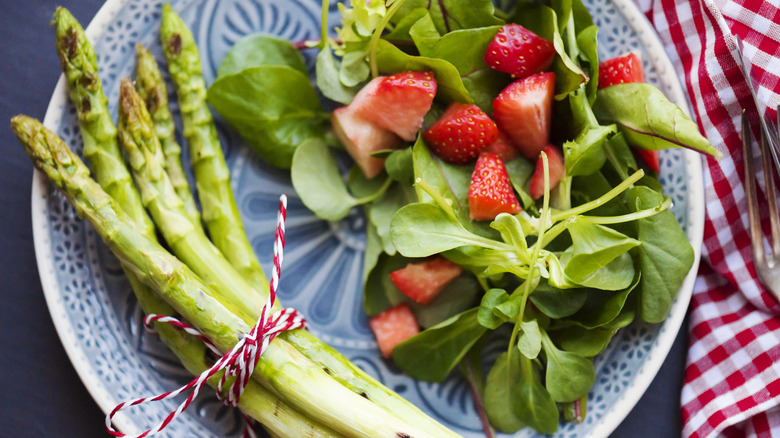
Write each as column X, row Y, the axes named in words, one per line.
column 732, row 378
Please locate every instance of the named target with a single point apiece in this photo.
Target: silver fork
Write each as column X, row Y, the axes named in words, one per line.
column 767, row 264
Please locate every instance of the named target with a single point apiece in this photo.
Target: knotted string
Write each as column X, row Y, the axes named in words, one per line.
column 239, row 361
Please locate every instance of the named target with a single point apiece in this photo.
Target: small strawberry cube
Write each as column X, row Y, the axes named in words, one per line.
column 397, row 102
column 362, row 138
column 519, row 52
column 423, row 281
column 621, row 70
column 491, row 192
column 392, row 327
column 555, row 168
column 523, row 111
column 461, row 133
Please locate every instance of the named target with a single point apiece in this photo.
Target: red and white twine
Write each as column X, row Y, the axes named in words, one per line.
column 239, row 361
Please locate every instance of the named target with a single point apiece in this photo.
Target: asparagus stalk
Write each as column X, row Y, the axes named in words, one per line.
column 212, row 177
column 79, row 63
column 192, row 246
column 287, row 373
column 152, row 89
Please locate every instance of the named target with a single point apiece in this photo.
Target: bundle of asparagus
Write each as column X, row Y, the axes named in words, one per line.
column 301, row 387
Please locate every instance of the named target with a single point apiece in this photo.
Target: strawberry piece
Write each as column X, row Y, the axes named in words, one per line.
column 423, row 281
column 652, row 159
column 361, row 138
column 519, row 52
column 461, row 133
column 490, row 192
column 398, row 102
column 503, row 148
column 523, row 110
column 621, row 70
column 555, row 168
column 393, row 326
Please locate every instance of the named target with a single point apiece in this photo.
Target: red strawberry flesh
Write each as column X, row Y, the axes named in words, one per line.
column 624, row 69
column 397, row 102
column 361, row 138
column 424, row 281
column 523, row 110
column 461, row 133
column 556, row 172
column 652, row 159
column 519, row 52
column 392, row 327
column 491, row 192
column 503, row 148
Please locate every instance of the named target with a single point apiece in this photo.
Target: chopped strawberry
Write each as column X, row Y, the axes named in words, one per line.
column 393, row 326
column 462, row 132
column 423, row 281
column 555, row 168
column 523, row 110
column 490, row 192
column 621, row 70
column 652, row 159
column 503, row 148
column 398, row 102
column 519, row 52
column 361, row 138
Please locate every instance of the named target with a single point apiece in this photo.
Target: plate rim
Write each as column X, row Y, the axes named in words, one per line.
column 607, row 424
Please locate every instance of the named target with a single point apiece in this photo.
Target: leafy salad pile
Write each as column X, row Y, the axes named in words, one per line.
column 596, row 251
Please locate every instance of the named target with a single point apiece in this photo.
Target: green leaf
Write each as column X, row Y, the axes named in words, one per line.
column 584, row 342
column 372, row 252
column 602, row 307
column 400, row 166
column 665, row 256
column 458, row 296
column 391, row 59
column 379, row 292
column 585, row 154
column 569, row 376
column 501, row 387
column 317, row 180
column 451, row 15
column 511, row 231
column 520, row 170
column 431, row 354
column 290, row 111
column 530, row 341
column 400, row 32
column 532, row 403
column 381, row 211
column 354, row 68
column 258, row 50
column 588, row 45
column 558, row 303
column 421, row 230
column 490, row 300
column 648, row 119
column 328, row 71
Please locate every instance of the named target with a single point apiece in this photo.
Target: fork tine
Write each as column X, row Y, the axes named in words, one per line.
column 756, row 237
column 771, row 193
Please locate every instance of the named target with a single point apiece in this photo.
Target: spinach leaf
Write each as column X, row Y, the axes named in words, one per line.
column 569, row 376
column 381, row 211
column 520, row 170
column 379, row 292
column 257, row 50
column 450, row 15
column 390, row 59
column 501, row 388
column 372, row 252
column 431, row 354
column 558, row 303
column 400, row 166
column 290, row 111
column 665, row 256
column 530, row 341
column 491, row 299
column 602, row 307
column 584, row 342
column 480, row 260
column 400, row 31
column 458, row 296
column 585, row 154
column 588, row 45
column 421, row 230
column 648, row 119
column 328, row 70
column 511, row 232
column 354, row 68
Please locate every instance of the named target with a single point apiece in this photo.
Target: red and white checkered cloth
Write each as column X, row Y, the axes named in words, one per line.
column 732, row 378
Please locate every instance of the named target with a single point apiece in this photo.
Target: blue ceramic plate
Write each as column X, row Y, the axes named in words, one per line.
column 99, row 321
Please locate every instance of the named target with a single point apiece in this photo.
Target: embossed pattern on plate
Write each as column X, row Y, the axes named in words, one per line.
column 98, row 319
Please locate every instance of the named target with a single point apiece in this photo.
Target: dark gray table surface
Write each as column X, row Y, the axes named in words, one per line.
column 42, row 394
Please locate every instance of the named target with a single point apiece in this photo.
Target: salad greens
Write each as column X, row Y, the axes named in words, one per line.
column 597, row 251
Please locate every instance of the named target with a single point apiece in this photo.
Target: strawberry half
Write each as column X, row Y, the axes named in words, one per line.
column 624, row 69
column 490, row 192
column 523, row 110
column 556, row 171
column 503, row 148
column 398, row 102
column 519, row 52
column 361, row 138
column 423, row 281
column 392, row 327
column 461, row 133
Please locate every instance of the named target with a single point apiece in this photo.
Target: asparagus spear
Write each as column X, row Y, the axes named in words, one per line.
column 79, row 63
column 301, row 383
column 190, row 244
column 152, row 89
column 212, row 177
